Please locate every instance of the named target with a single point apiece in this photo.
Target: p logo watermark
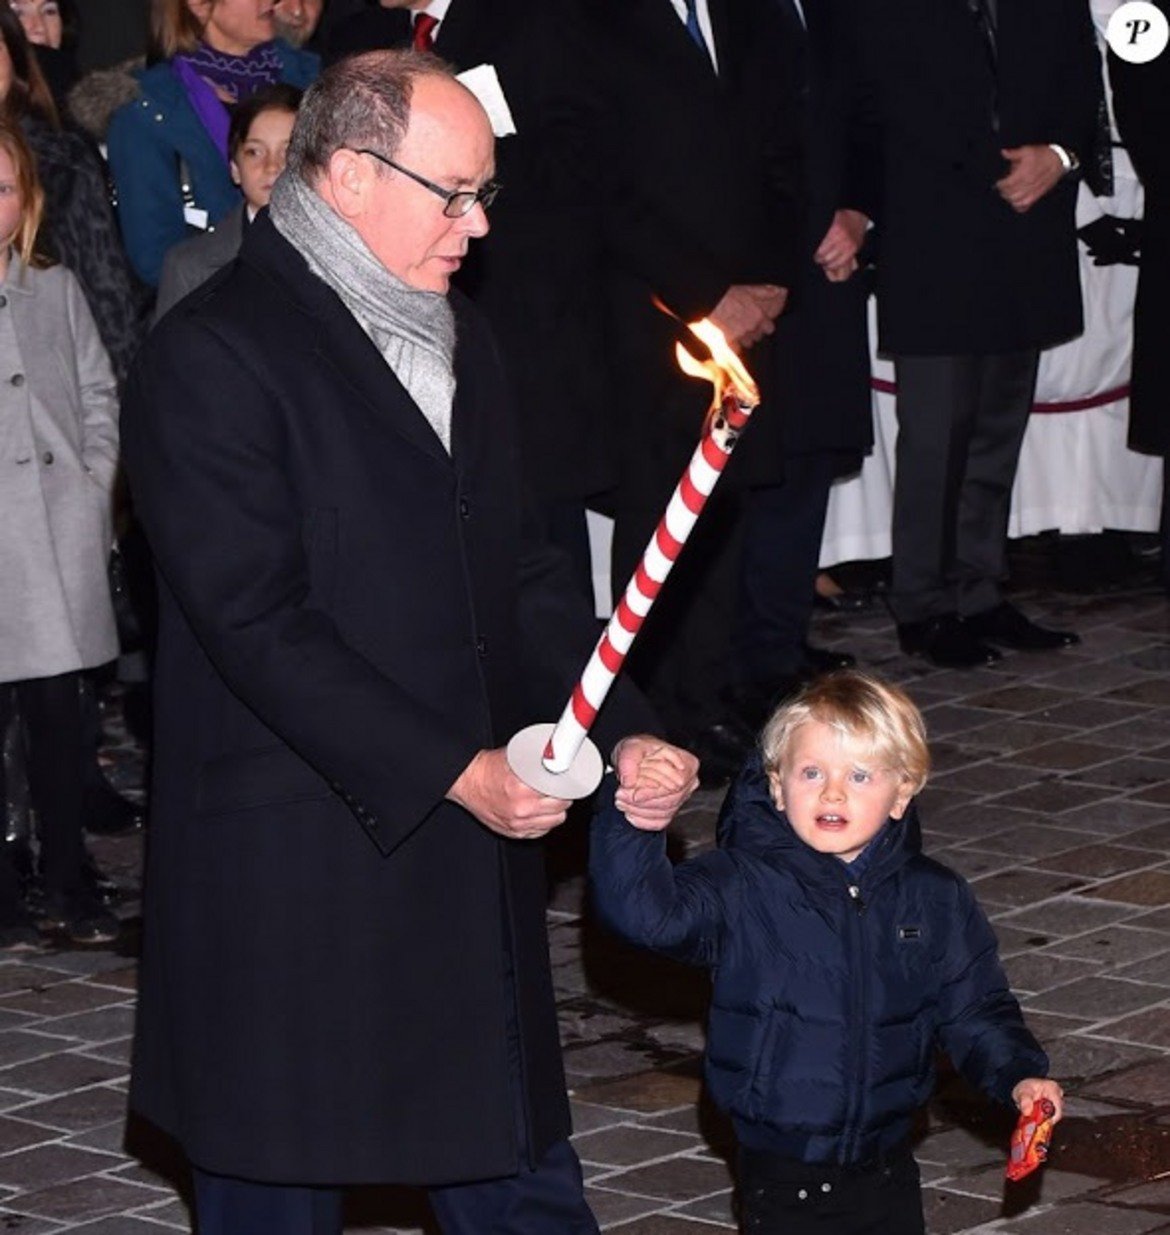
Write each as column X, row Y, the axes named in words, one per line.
column 1138, row 32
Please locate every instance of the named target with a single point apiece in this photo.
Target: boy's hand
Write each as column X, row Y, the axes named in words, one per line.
column 1030, row 1090
column 654, row 780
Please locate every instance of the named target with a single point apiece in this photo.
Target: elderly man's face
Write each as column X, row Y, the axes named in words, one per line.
column 449, row 142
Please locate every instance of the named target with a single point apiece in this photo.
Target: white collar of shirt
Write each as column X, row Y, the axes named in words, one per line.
column 436, row 9
column 704, row 15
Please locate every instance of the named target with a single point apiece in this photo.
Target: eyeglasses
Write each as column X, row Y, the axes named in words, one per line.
column 456, row 202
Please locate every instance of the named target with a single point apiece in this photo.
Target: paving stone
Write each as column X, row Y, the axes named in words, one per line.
column 80, row 1110
column 60, row 1073
column 20, row 1044
column 12, row 1220
column 62, row 998
column 123, row 1224
column 717, row 1209
column 1044, row 1187
column 588, row 1117
column 1076, row 1058
column 16, row 1133
column 663, row 1224
column 675, row 1179
column 1147, row 1084
column 1054, row 796
column 1087, row 715
column 949, row 1212
column 19, row 976
column 957, row 1148
column 1127, row 774
column 1023, row 886
column 1152, row 969
column 1114, row 945
column 1095, row 861
column 1086, row 1218
column 1035, row 840
column 1146, row 888
column 985, row 779
column 1149, row 1028
column 1071, row 916
column 628, row 1144
column 36, row 1168
column 1041, row 971
column 1113, row 817
column 1021, row 699
column 1153, row 1195
column 611, row 1208
column 91, row 1196
column 1096, row 996
column 1004, row 737
column 648, row 1091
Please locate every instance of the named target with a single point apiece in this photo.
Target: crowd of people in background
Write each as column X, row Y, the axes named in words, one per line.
column 763, row 163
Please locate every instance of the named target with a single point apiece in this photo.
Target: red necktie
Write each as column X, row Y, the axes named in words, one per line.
column 423, row 39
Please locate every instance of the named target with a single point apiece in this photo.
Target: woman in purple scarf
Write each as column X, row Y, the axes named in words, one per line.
column 168, row 147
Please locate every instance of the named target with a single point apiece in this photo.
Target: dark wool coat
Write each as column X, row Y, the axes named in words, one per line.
column 347, row 614
column 698, row 176
column 821, row 398
column 537, row 275
column 960, row 271
column 829, row 1001
column 1141, row 103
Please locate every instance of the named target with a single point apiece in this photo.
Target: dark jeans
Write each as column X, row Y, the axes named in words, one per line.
column 779, row 1196
column 546, row 1201
column 51, row 708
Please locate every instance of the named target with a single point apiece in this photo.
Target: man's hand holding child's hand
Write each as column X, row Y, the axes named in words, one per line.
column 654, row 780
column 1030, row 1090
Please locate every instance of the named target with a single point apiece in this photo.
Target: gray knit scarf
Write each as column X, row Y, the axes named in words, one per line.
column 414, row 330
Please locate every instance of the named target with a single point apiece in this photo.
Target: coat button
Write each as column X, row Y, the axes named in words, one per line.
column 17, row 379
column 803, row 1194
column 481, row 645
column 47, row 458
column 826, row 1187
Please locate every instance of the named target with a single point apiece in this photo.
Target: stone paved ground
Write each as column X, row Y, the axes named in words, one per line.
column 1052, row 793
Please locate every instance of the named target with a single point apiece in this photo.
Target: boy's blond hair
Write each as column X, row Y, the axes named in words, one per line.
column 876, row 718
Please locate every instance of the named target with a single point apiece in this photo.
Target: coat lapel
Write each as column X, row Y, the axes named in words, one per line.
column 339, row 341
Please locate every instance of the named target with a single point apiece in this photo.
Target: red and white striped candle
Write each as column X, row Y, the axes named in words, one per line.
column 735, row 398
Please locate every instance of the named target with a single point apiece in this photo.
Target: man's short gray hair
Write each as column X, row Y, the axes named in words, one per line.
column 362, row 101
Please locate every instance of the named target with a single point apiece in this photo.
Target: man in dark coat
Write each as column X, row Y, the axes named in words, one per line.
column 821, row 423
column 987, row 109
column 537, row 276
column 345, row 976
column 699, row 182
column 1141, row 103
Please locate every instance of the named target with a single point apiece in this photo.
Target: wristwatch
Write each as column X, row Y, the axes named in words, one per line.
column 1068, row 158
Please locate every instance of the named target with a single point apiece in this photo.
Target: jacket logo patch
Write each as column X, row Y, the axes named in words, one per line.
column 908, row 934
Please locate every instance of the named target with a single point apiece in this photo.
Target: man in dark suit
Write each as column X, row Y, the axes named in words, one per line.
column 345, row 975
column 537, row 275
column 822, row 424
column 698, row 180
column 987, row 110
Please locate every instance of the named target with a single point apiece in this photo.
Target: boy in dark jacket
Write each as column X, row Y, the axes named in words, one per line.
column 842, row 959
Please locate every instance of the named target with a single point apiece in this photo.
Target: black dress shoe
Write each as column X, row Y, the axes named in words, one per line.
column 1006, row 625
column 825, row 660
column 721, row 750
column 947, row 642
column 843, row 602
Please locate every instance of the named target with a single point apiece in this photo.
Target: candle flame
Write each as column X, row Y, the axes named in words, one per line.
column 725, row 371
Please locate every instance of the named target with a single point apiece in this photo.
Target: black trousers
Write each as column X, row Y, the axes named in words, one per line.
column 779, row 1196
column 51, row 708
column 781, row 549
column 961, row 420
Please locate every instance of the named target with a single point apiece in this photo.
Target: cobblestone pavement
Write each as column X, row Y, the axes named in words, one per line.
column 1052, row 793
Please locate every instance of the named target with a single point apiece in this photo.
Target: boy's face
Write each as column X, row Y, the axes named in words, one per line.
column 835, row 800
column 259, row 160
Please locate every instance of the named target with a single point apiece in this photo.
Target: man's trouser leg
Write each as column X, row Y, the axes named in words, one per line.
column 225, row 1206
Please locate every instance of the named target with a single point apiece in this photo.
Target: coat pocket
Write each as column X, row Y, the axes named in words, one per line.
column 268, row 777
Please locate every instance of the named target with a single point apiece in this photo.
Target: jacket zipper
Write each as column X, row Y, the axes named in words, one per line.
column 859, row 987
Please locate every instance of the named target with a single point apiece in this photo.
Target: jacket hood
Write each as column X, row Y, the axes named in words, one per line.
column 749, row 821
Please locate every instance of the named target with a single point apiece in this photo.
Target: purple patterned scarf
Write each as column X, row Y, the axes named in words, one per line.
column 204, row 69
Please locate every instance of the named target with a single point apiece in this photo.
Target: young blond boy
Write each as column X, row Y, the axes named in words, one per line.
column 842, row 958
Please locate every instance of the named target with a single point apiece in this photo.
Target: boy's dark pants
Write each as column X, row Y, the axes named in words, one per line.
column 779, row 1196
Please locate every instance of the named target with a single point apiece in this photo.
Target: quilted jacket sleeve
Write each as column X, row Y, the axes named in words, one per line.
column 638, row 892
column 980, row 1024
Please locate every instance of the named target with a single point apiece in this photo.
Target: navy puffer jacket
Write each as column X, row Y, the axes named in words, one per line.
column 829, row 998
